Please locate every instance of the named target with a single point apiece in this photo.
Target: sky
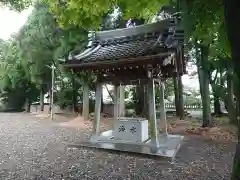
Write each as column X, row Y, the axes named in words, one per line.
column 12, row 21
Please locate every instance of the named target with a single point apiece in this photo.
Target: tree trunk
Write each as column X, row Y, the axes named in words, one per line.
column 236, row 162
column 232, row 13
column 85, row 111
column 176, row 95
column 180, row 100
column 41, row 99
column 217, row 93
column 50, row 100
column 231, row 108
column 178, row 92
column 198, row 59
column 28, row 105
column 204, row 86
column 217, row 106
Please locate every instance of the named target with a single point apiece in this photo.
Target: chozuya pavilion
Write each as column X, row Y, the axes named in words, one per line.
column 149, row 54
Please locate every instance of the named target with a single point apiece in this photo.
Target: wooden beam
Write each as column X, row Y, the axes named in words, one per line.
column 130, row 82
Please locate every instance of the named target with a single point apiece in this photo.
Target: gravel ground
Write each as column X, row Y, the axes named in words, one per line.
column 36, row 149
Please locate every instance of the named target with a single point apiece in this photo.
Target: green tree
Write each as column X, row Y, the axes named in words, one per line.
column 15, row 84
column 18, row 5
column 48, row 43
column 233, row 28
column 39, row 33
column 89, row 14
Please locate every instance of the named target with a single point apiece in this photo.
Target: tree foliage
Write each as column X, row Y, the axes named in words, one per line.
column 88, row 14
column 14, row 83
column 26, row 57
column 17, row 5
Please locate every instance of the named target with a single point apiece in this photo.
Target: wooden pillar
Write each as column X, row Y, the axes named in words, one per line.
column 122, row 101
column 96, row 122
column 74, row 94
column 152, row 112
column 163, row 118
column 116, row 102
column 145, row 108
column 85, row 110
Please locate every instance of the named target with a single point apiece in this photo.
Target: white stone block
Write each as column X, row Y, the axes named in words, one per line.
column 131, row 129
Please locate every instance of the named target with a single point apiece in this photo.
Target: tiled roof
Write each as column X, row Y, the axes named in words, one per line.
column 143, row 40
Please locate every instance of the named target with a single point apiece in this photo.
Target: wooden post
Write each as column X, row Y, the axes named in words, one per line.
column 122, row 101
column 152, row 113
column 85, row 110
column 74, row 94
column 96, row 122
column 162, row 107
column 145, row 108
column 116, row 102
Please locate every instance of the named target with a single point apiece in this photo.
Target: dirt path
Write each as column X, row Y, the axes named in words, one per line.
column 36, row 149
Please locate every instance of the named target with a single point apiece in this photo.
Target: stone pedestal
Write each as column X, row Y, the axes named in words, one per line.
column 131, row 130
